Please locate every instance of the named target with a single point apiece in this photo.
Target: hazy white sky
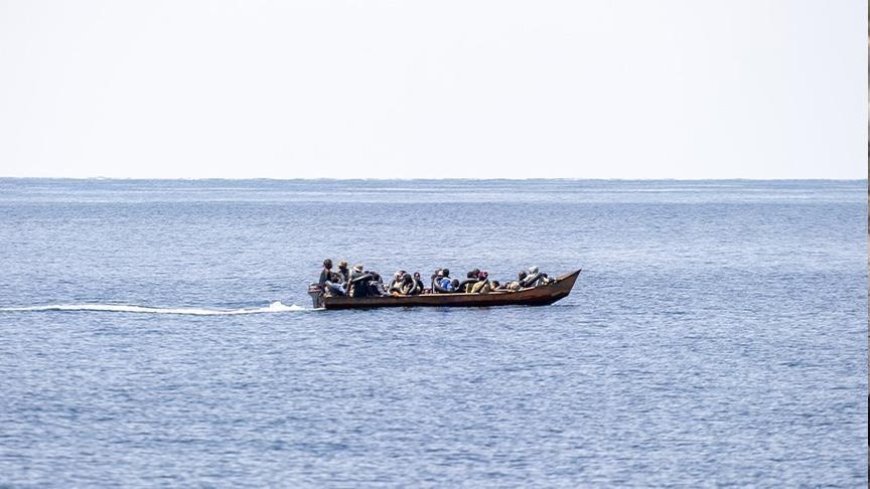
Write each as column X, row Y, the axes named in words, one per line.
column 477, row 89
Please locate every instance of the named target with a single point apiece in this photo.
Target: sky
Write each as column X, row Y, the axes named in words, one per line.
column 628, row 89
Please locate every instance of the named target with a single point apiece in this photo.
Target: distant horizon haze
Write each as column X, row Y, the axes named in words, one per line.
column 471, row 90
column 435, row 179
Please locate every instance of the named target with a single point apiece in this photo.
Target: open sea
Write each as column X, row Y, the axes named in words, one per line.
column 159, row 334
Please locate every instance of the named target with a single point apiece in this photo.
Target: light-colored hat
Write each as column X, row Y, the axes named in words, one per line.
column 357, row 268
column 342, row 263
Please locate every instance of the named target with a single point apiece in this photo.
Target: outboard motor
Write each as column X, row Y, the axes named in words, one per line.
column 316, row 293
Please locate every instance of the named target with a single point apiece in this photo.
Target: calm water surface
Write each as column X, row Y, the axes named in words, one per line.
column 717, row 336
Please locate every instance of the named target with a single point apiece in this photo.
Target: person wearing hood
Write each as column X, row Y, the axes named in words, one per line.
column 533, row 278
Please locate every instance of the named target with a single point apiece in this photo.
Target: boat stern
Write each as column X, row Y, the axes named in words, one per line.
column 316, row 293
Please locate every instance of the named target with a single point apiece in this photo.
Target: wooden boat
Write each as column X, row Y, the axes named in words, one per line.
column 535, row 296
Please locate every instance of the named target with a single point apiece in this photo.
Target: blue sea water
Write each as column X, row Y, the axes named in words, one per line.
column 158, row 333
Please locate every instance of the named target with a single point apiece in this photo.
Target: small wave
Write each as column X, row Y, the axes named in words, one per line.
column 190, row 311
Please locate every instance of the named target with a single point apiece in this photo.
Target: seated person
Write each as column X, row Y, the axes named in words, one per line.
column 376, row 285
column 396, row 282
column 445, row 285
column 482, row 286
column 335, row 285
column 324, row 274
column 442, row 283
column 471, row 278
column 343, row 271
column 330, row 282
column 395, row 287
column 534, row 278
column 358, row 282
column 405, row 287
column 518, row 283
column 436, row 275
column 418, row 285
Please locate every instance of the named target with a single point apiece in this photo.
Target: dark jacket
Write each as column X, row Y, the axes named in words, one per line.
column 358, row 284
column 325, row 276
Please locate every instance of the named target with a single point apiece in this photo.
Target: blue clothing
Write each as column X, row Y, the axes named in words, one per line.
column 446, row 284
column 335, row 287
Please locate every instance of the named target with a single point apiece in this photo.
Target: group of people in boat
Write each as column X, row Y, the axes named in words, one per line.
column 359, row 282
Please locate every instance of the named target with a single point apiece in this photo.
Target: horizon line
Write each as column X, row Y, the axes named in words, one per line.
column 332, row 179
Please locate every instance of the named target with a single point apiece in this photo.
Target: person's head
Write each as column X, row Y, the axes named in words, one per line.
column 483, row 275
column 342, row 265
column 521, row 275
column 327, row 264
column 495, row 284
column 417, row 275
column 533, row 270
column 446, row 272
column 358, row 268
column 474, row 273
column 455, row 283
column 439, row 273
column 406, row 279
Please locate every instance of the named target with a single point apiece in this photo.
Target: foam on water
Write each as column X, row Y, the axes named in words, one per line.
column 722, row 336
column 189, row 311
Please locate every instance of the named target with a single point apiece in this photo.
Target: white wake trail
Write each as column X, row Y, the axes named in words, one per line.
column 190, row 311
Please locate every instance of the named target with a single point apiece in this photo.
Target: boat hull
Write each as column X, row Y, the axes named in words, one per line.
column 537, row 296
